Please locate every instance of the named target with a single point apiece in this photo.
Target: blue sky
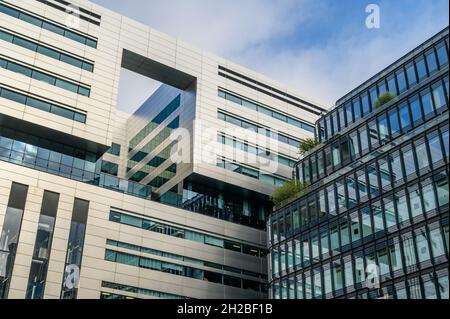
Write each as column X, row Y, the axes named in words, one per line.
column 320, row 48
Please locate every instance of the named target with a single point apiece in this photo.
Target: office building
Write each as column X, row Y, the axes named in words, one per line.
column 373, row 219
column 93, row 201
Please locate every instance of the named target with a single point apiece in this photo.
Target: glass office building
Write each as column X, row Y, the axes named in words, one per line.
column 373, row 222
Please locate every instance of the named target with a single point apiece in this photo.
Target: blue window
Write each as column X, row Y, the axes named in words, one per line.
column 349, row 113
column 373, row 96
column 365, row 104
column 9, row 11
column 421, row 68
column 431, row 61
column 392, row 86
column 404, row 116
column 25, row 44
column 30, row 19
column 416, row 110
column 72, row 61
column 427, row 102
column 13, row 96
column 438, row 96
column 49, row 52
column 411, row 73
column 442, row 54
column 53, row 28
column 44, row 77
column 381, row 87
column 38, row 104
column 401, row 80
column 6, row 36
column 356, row 108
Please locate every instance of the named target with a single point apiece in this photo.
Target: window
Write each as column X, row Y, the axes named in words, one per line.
column 416, row 110
column 365, row 104
column 442, row 54
column 408, row 161
column 435, row 148
column 401, row 80
column 394, row 122
column 385, row 175
column 411, row 74
column 442, row 192
column 349, row 113
column 357, row 108
column 427, row 103
column 439, row 96
column 402, row 207
column 373, row 180
column 396, row 167
column 429, row 198
column 389, row 212
column 363, row 139
column 354, row 145
column 422, row 154
column 383, row 128
column 75, row 247
column 373, row 133
column 404, row 116
column 366, row 222
column 44, row 77
column 421, row 68
column 431, row 61
column 396, row 255
column 415, row 202
column 422, row 245
column 392, row 86
column 9, row 236
column 437, row 244
column 409, row 251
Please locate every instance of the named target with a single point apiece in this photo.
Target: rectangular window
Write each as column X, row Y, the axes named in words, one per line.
column 422, row 154
column 431, row 61
column 9, row 237
column 435, row 148
column 427, row 103
column 408, row 161
column 404, row 117
column 349, row 113
column 383, row 128
column 354, row 145
column 429, row 198
column 357, row 108
column 392, row 86
column 74, row 252
column 439, row 96
column 401, row 202
column 365, row 104
column 421, row 68
column 42, row 246
column 394, row 123
column 364, row 140
column 416, row 110
column 442, row 54
column 411, row 74
column 401, row 80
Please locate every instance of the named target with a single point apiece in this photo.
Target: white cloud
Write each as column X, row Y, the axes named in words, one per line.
column 245, row 32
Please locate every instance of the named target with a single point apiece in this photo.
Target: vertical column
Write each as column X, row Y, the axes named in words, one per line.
column 9, row 237
column 75, row 249
column 42, row 246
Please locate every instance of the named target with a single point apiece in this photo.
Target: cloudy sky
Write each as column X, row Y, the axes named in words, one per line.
column 321, row 48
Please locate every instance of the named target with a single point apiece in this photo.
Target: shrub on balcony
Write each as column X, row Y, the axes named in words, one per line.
column 383, row 99
column 288, row 190
column 307, row 145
